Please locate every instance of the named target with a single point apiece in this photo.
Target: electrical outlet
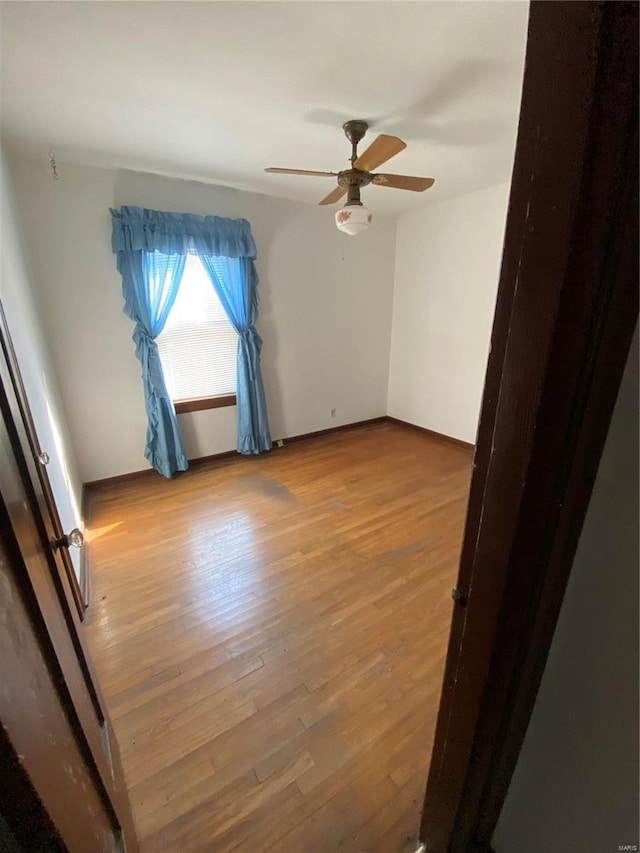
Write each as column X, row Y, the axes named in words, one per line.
column 333, row 413
column 280, row 443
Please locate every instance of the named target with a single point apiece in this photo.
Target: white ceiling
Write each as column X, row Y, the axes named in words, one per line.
column 216, row 91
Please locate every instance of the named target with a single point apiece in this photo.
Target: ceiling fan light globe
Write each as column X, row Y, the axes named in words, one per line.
column 353, row 218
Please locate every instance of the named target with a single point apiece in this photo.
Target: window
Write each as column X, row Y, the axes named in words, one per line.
column 198, row 345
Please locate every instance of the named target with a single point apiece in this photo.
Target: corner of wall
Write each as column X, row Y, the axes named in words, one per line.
column 447, row 267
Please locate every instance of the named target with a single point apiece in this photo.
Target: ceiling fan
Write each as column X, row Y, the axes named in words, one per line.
column 354, row 217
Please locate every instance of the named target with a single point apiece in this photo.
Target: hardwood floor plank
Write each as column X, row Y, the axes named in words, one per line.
column 367, row 766
column 270, row 636
column 374, row 834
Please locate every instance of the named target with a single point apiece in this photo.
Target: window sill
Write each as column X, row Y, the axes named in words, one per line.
column 201, row 403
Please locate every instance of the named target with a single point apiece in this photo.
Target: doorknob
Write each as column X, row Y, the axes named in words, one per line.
column 44, row 458
column 73, row 538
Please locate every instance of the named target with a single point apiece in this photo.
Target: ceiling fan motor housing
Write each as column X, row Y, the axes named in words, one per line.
column 352, row 180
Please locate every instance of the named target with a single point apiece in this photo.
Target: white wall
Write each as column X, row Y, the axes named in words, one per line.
column 447, row 267
column 325, row 311
column 575, row 788
column 34, row 360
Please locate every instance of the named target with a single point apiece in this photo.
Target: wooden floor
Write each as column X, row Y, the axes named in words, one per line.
column 270, row 634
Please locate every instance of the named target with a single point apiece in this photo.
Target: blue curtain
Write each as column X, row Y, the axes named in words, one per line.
column 141, row 238
column 150, row 282
column 236, row 282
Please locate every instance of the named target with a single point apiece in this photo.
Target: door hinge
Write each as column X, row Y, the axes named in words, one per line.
column 459, row 598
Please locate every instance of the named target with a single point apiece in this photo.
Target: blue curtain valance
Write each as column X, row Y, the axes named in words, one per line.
column 136, row 228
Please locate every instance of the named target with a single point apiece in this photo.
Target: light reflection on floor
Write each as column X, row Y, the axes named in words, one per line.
column 95, row 533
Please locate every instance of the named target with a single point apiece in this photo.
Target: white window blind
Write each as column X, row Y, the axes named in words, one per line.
column 197, row 345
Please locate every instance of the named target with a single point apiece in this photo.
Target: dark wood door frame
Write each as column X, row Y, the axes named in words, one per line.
column 566, row 311
column 33, row 562
column 34, row 452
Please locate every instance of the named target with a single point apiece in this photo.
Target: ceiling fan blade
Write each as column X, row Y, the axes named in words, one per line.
column 380, row 150
column 403, row 182
column 334, row 196
column 300, row 172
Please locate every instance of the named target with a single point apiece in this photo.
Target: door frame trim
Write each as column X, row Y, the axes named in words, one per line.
column 78, row 591
column 566, row 311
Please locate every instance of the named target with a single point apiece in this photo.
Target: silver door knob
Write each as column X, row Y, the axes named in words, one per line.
column 73, row 539
column 44, row 458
